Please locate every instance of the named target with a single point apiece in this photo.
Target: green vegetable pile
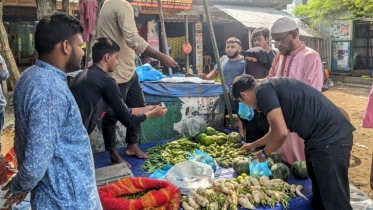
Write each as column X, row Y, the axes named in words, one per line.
column 136, row 195
column 172, row 152
column 224, row 154
column 224, row 148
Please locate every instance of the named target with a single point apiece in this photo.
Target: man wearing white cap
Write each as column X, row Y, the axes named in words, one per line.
column 294, row 60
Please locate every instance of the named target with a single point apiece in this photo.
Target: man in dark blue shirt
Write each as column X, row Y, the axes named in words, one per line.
column 232, row 68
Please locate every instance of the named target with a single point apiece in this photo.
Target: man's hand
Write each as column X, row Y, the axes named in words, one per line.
column 169, row 62
column 13, row 198
column 249, row 147
column 149, row 108
column 202, row 75
column 159, row 111
column 258, row 156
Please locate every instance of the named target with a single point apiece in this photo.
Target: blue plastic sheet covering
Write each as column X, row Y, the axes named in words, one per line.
column 182, row 89
column 102, row 159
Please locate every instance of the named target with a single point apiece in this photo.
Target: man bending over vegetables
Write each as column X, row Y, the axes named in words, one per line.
column 95, row 91
column 291, row 104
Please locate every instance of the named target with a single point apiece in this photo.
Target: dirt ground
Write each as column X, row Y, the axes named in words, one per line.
column 351, row 99
column 354, row 100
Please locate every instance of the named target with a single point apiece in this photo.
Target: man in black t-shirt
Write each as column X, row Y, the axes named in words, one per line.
column 291, row 104
column 95, row 91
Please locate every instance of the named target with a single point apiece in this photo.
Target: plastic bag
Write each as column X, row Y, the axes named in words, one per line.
column 245, row 112
column 202, row 157
column 147, row 73
column 193, row 126
column 160, row 174
column 359, row 200
column 258, row 169
column 190, row 175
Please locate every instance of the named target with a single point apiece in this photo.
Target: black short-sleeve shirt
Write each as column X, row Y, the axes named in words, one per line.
column 307, row 111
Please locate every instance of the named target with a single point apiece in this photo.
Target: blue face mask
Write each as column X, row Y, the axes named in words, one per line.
column 245, row 112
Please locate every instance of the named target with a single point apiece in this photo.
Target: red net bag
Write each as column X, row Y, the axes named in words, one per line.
column 165, row 196
column 11, row 163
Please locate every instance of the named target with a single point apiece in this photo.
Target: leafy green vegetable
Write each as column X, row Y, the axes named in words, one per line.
column 136, row 195
column 172, row 152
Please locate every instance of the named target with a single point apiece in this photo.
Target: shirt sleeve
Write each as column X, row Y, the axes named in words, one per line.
column 313, row 72
column 45, row 114
column 267, row 98
column 126, row 21
column 222, row 60
column 123, row 113
column 4, row 74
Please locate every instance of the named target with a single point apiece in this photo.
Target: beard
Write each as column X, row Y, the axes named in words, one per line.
column 73, row 64
column 286, row 51
column 235, row 54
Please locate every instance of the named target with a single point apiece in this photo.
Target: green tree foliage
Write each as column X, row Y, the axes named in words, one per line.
column 360, row 8
column 327, row 10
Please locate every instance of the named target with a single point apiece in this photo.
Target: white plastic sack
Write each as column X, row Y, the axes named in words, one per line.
column 193, row 126
column 359, row 200
column 190, row 175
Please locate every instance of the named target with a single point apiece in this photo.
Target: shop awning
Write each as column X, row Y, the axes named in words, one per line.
column 166, row 4
column 254, row 17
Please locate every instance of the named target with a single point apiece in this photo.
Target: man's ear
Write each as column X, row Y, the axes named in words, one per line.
column 294, row 34
column 243, row 95
column 66, row 47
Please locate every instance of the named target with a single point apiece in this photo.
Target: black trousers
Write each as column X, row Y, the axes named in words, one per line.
column 133, row 96
column 328, row 169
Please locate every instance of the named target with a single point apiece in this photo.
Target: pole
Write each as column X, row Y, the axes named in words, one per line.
column 163, row 32
column 250, row 38
column 186, row 41
column 216, row 52
column 371, row 175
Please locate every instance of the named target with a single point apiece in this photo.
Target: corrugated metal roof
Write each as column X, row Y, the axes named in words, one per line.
column 71, row 1
column 254, row 17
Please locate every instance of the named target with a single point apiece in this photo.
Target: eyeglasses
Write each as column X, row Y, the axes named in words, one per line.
column 280, row 40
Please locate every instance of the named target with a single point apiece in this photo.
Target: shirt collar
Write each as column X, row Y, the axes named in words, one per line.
column 94, row 66
column 49, row 67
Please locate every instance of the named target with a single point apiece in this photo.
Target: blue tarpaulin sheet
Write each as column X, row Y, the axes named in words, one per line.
column 182, row 89
column 102, row 160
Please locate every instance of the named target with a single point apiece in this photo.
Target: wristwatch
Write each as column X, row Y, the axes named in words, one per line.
column 263, row 155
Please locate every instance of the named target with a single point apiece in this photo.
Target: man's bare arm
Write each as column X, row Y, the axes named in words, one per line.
column 278, row 132
column 212, row 75
column 165, row 60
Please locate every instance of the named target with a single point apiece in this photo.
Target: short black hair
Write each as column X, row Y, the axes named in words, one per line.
column 242, row 83
column 102, row 46
column 55, row 28
column 261, row 31
column 233, row 40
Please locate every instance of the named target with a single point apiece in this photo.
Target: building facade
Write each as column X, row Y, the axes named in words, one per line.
column 20, row 20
